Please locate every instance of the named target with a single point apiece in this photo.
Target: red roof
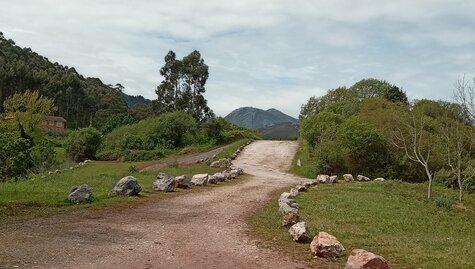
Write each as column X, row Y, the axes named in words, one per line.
column 55, row 118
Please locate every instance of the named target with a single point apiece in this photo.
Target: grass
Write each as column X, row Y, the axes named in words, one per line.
column 308, row 166
column 392, row 219
column 47, row 194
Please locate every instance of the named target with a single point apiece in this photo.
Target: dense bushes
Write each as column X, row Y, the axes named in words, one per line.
column 370, row 128
column 15, row 159
column 153, row 137
column 83, row 144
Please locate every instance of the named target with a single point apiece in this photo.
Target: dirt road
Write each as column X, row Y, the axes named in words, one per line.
column 198, row 230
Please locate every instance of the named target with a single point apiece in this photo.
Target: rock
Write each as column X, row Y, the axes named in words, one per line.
column 308, row 184
column 348, row 177
column 79, row 194
column 286, row 208
column 286, row 195
column 212, row 180
column 200, row 179
column 362, row 178
column 221, row 163
column 183, row 182
column 228, row 175
column 294, row 192
column 290, row 202
column 299, row 163
column 299, row 232
column 220, row 177
column 300, row 188
column 234, row 173
column 323, row 179
column 362, row 259
column 128, row 186
column 164, row 183
column 327, row 246
column 334, row 179
column 290, row 218
column 57, row 171
column 379, row 179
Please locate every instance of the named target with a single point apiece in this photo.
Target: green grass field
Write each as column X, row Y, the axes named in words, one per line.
column 308, row 166
column 45, row 194
column 392, row 219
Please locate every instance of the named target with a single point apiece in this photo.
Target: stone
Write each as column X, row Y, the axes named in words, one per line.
column 164, row 183
column 183, row 182
column 299, row 163
column 200, row 179
column 290, row 202
column 286, row 208
column 322, row 179
column 294, row 192
column 362, row 178
column 379, row 179
column 362, row 259
column 234, row 173
column 221, row 163
column 128, row 186
column 285, row 195
column 79, row 194
column 334, row 179
column 307, row 184
column 220, row 177
column 348, row 177
column 290, row 219
column 299, row 232
column 300, row 188
column 327, row 246
column 212, row 180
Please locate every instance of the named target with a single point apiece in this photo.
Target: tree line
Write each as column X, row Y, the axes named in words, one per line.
column 372, row 128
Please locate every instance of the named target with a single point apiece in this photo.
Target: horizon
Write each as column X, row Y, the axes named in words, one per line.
column 268, row 55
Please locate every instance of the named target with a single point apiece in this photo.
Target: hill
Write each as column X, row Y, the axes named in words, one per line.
column 133, row 100
column 255, row 118
column 82, row 101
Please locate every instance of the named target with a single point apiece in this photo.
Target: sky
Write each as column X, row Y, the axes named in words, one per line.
column 260, row 53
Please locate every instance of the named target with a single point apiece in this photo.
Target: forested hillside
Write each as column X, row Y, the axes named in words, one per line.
column 82, row 101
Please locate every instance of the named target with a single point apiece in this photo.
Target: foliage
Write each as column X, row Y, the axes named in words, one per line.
column 29, row 109
column 83, row 144
column 183, row 86
column 81, row 101
column 117, row 121
column 15, row 159
column 469, row 184
column 43, row 154
column 444, row 202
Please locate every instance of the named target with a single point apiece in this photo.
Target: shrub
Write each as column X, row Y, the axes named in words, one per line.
column 15, row 158
column 83, row 144
column 444, row 202
column 469, row 184
column 43, row 154
column 133, row 169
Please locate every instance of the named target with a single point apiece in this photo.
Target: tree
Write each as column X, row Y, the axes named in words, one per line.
column 465, row 96
column 29, row 109
column 183, row 86
column 83, row 144
column 371, row 87
column 412, row 137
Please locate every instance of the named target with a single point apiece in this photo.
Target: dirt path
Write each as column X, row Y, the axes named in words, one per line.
column 185, row 160
column 199, row 230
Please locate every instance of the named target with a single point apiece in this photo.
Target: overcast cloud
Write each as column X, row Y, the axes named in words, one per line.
column 265, row 53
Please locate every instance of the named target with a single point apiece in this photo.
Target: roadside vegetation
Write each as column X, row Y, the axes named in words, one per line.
column 391, row 219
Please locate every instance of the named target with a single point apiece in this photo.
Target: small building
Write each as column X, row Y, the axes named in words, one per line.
column 55, row 124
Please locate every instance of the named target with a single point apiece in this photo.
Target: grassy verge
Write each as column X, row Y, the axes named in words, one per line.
column 308, row 167
column 391, row 218
column 47, row 194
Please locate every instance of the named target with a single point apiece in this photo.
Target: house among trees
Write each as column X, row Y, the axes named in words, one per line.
column 53, row 123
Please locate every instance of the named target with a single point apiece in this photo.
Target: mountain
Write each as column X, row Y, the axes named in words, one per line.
column 255, row 118
column 80, row 100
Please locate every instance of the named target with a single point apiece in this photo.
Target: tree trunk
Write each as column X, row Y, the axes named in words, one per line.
column 429, row 189
column 460, row 189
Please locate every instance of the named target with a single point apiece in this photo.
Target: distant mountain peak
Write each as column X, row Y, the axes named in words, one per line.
column 255, row 118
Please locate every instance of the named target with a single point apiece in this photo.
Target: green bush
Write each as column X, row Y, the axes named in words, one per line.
column 15, row 158
column 469, row 184
column 83, row 144
column 142, row 155
column 43, row 154
column 444, row 202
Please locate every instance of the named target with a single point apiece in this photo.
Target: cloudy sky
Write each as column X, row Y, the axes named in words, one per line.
column 265, row 53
